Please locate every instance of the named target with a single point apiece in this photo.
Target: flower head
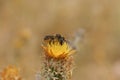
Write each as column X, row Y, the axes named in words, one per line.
column 57, row 46
column 10, row 73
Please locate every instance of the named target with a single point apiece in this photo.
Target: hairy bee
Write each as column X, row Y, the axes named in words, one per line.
column 57, row 37
column 49, row 38
column 60, row 39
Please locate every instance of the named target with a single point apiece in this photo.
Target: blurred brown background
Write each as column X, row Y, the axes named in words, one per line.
column 24, row 23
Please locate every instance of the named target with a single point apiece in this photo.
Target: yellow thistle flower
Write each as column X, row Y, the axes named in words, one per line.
column 57, row 47
column 10, row 73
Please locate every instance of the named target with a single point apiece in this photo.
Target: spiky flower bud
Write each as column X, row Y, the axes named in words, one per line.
column 57, row 58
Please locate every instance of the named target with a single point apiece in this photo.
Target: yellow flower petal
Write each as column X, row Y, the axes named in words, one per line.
column 10, row 73
column 58, row 48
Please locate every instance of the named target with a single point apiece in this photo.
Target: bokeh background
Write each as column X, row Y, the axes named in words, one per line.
column 93, row 26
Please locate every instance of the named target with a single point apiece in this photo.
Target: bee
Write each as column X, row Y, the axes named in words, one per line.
column 60, row 39
column 49, row 38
